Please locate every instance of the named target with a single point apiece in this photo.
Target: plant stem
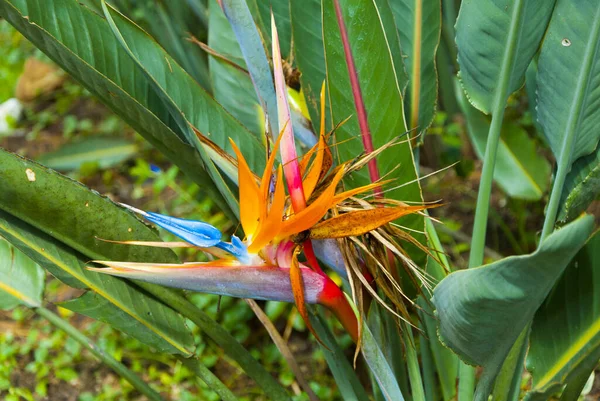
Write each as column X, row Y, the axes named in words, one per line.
column 557, row 187
column 485, row 188
column 115, row 365
column 466, row 382
column 412, row 361
column 209, row 378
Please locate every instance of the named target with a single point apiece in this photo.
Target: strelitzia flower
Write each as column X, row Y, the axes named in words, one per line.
column 277, row 226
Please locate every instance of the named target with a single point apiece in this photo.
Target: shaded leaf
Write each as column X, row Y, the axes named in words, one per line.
column 104, row 152
column 496, row 41
column 483, row 310
column 565, row 336
column 419, row 25
column 146, row 319
column 568, row 80
column 21, row 279
column 110, row 74
column 232, row 87
column 345, row 376
column 379, row 366
column 520, row 171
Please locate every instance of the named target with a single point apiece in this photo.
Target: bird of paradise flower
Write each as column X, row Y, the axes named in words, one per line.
column 277, row 227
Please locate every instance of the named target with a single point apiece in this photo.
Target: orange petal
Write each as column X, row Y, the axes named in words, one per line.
column 270, row 227
column 345, row 195
column 311, row 180
column 314, row 212
column 361, row 221
column 249, row 194
column 298, row 290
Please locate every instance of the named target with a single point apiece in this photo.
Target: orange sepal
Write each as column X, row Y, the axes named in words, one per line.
column 269, row 227
column 297, row 283
column 314, row 212
column 249, row 194
column 361, row 221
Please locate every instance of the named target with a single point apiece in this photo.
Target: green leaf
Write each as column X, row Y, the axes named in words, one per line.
column 110, row 74
column 568, row 80
column 483, row 310
column 345, row 376
column 72, row 213
column 393, row 38
column 21, row 280
column 565, row 337
column 171, row 23
column 520, row 171
column 281, row 12
column 419, row 25
column 496, row 41
column 310, row 54
column 446, row 363
column 131, row 40
column 382, row 97
column 106, row 152
column 379, row 366
column 79, row 218
column 148, row 320
column 582, row 186
column 231, row 87
column 568, row 90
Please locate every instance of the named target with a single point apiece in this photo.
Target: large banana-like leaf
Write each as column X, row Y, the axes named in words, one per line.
column 232, row 87
column 122, row 305
column 79, row 218
column 419, row 25
column 21, row 279
column 565, row 336
column 496, row 40
column 381, row 93
column 568, row 80
column 568, row 90
column 109, row 73
column 483, row 310
column 520, row 171
column 392, row 37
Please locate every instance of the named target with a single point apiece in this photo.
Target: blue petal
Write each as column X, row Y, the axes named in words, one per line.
column 195, row 232
column 237, row 248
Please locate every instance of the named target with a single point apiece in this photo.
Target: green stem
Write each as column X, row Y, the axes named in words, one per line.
column 557, row 187
column 412, row 361
column 209, row 378
column 222, row 337
column 115, row 365
column 485, row 187
column 466, row 382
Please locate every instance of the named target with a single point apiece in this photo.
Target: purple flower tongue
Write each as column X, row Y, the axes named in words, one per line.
column 195, row 232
